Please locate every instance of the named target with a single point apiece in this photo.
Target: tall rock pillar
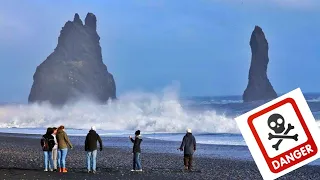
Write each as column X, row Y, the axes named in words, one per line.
column 259, row 86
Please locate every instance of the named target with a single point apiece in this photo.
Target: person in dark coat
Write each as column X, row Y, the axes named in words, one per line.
column 136, row 150
column 188, row 145
column 91, row 149
column 47, row 143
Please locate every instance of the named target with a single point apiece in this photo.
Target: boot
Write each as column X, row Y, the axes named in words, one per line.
column 64, row 170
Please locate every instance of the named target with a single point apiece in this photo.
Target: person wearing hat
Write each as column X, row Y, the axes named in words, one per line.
column 188, row 145
column 136, row 150
column 91, row 149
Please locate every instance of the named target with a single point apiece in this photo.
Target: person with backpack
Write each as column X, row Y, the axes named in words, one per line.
column 188, row 145
column 136, row 150
column 63, row 144
column 90, row 145
column 47, row 143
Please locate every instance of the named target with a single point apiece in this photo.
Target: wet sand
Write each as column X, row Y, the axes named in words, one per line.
column 22, row 158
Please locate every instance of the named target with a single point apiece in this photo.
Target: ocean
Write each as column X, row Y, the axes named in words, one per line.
column 163, row 117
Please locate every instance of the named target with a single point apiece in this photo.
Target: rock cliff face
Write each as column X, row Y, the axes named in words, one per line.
column 259, row 86
column 75, row 69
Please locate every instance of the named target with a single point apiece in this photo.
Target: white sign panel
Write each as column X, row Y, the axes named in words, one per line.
column 282, row 135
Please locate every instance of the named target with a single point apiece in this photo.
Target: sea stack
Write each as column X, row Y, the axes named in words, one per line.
column 259, row 86
column 75, row 69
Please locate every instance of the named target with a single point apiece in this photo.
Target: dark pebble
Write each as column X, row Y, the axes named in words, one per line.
column 22, row 158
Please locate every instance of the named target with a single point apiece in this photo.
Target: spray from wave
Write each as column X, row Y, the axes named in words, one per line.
column 154, row 112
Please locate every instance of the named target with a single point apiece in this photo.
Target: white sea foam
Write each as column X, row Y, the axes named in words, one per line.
column 314, row 100
column 155, row 112
column 222, row 102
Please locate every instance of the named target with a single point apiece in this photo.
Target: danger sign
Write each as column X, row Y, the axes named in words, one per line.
column 282, row 135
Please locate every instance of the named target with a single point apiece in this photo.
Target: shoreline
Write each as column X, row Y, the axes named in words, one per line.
column 22, row 158
column 152, row 145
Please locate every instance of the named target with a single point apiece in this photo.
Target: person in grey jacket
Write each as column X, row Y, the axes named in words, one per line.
column 188, row 145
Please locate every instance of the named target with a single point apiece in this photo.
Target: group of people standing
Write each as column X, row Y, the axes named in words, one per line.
column 55, row 144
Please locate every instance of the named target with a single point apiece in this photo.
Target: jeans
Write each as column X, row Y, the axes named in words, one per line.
column 54, row 158
column 92, row 160
column 137, row 161
column 47, row 157
column 62, row 154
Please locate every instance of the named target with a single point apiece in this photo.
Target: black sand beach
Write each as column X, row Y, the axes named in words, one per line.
column 22, row 158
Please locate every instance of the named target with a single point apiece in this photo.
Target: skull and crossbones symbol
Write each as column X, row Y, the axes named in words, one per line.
column 276, row 123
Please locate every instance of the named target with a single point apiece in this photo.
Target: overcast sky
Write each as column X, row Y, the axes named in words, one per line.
column 147, row 44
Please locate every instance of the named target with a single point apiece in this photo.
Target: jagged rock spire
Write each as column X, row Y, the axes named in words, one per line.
column 77, row 19
column 91, row 21
column 75, row 69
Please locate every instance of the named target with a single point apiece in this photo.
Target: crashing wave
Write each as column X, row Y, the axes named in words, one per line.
column 160, row 112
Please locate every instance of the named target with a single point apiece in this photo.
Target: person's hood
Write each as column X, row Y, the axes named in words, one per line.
column 139, row 137
column 46, row 135
column 189, row 134
column 60, row 131
column 93, row 132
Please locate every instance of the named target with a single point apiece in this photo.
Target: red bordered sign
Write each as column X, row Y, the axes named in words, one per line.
column 310, row 140
column 282, row 135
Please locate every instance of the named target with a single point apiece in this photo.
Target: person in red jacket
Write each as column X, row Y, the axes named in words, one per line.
column 47, row 143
